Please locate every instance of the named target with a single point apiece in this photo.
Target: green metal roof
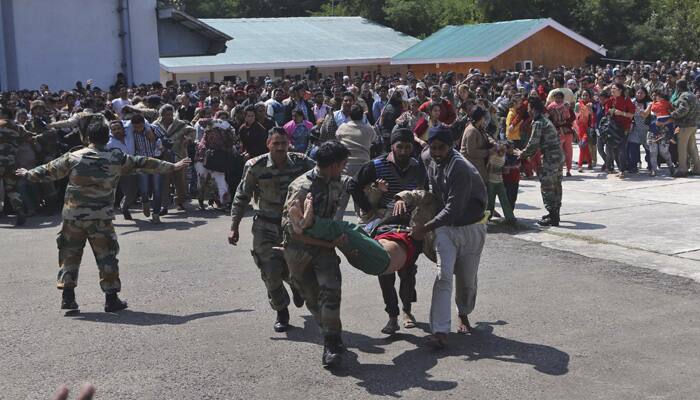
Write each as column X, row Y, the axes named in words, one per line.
column 480, row 42
column 274, row 43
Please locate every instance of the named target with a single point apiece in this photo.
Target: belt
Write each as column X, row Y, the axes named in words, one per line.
column 271, row 220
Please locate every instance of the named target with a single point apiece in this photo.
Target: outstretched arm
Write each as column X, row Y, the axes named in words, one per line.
column 52, row 171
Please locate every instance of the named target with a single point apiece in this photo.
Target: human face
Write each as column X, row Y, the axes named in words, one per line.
column 383, row 93
column 249, row 117
column 318, row 98
column 123, row 92
column 616, row 91
column 640, row 95
column 585, row 96
column 336, row 170
column 347, row 103
column 279, row 95
column 435, row 94
column 559, row 99
column 139, row 127
column 278, row 145
column 167, row 117
column 439, row 151
column 117, row 130
column 434, row 113
column 402, row 152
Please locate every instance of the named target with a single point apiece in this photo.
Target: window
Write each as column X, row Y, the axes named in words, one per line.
column 527, row 64
column 518, row 66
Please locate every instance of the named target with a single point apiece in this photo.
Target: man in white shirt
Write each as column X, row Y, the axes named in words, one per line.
column 121, row 101
column 123, row 139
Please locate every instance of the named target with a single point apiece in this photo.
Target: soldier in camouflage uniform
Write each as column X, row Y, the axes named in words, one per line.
column 88, row 209
column 546, row 139
column 82, row 120
column 269, row 175
column 11, row 136
column 314, row 264
column 48, row 141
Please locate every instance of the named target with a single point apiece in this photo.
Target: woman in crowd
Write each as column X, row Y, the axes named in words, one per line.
column 621, row 109
column 585, row 128
column 660, row 132
column 211, row 159
column 425, row 123
column 639, row 130
column 298, row 130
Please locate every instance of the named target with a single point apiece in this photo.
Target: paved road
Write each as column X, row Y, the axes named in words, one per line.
column 551, row 325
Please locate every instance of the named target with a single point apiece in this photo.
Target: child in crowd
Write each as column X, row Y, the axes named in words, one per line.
column 661, row 124
column 497, row 160
column 511, row 174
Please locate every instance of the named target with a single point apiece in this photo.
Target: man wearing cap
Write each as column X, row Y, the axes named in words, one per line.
column 460, row 232
column 421, row 90
column 545, row 138
column 401, row 172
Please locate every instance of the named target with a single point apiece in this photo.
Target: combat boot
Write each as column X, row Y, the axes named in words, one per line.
column 282, row 322
column 332, row 350
column 553, row 220
column 113, row 303
column 68, row 300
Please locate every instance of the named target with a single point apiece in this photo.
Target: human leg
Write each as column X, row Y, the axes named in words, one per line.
column 512, row 192
column 71, row 242
column 653, row 155
column 103, row 241
column 273, row 268
column 446, row 250
column 471, row 243
column 593, row 154
column 693, row 150
column 221, row 185
column 567, row 145
column 144, row 190
column 505, row 204
column 491, row 188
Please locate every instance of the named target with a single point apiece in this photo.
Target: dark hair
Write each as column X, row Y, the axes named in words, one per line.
column 356, row 112
column 536, row 103
column 276, row 130
column 98, row 133
column 331, row 152
column 682, row 85
column 6, row 112
column 299, row 112
column 433, row 104
column 622, row 88
column 349, row 94
column 138, row 119
column 249, row 108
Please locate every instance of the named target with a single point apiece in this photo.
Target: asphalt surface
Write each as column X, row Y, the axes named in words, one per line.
column 550, row 325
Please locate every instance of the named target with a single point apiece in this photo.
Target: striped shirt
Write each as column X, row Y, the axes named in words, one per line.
column 145, row 147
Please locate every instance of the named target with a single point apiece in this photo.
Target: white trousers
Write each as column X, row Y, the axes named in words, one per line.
column 458, row 255
column 219, row 178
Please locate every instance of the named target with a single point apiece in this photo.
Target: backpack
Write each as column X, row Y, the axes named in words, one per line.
column 613, row 133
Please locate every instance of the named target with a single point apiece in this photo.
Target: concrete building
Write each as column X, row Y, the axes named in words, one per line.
column 507, row 45
column 279, row 47
column 58, row 42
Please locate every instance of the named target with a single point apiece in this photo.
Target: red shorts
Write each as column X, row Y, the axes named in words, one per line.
column 402, row 238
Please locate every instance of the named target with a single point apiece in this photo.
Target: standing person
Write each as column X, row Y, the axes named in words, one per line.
column 545, row 138
column 639, row 130
column 460, row 232
column 88, row 210
column 270, row 176
column 122, row 140
column 147, row 144
column 621, row 109
column 315, row 270
column 358, row 137
column 495, row 186
column 380, row 103
column 561, row 116
column 660, row 132
column 275, row 109
column 476, row 143
column 400, row 172
column 585, row 124
column 253, row 135
column 298, row 131
column 447, row 110
column 686, row 116
column 212, row 160
column 599, row 109
column 180, row 134
column 11, row 136
column 121, row 101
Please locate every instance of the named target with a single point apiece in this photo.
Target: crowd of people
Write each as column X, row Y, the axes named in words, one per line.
column 423, row 159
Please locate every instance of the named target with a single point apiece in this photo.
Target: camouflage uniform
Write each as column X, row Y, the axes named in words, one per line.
column 48, row 141
column 81, row 121
column 270, row 183
column 315, row 271
column 88, row 211
column 546, row 139
column 11, row 136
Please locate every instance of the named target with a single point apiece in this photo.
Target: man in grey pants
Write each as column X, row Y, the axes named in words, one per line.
column 460, row 232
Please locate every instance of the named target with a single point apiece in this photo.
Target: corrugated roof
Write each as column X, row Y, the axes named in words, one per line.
column 481, row 42
column 269, row 43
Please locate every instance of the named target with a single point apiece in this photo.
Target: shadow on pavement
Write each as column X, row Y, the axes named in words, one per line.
column 577, row 225
column 141, row 318
column 166, row 224
column 410, row 369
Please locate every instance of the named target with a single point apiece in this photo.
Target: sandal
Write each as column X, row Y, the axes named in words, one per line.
column 464, row 325
column 409, row 321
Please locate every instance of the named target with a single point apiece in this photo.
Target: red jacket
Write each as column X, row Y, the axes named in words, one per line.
column 623, row 104
column 447, row 111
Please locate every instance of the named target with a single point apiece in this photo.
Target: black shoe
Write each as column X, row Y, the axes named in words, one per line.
column 68, row 300
column 332, row 351
column 551, row 221
column 21, row 219
column 155, row 218
column 164, row 211
column 282, row 322
column 546, row 216
column 127, row 214
column 296, row 298
column 113, row 304
column 391, row 327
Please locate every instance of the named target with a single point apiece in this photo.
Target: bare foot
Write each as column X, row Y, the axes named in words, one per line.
column 296, row 217
column 464, row 327
column 308, row 219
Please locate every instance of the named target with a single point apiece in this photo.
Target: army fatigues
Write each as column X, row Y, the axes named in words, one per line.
column 48, row 141
column 315, row 271
column 263, row 178
column 546, row 139
column 93, row 173
column 11, row 136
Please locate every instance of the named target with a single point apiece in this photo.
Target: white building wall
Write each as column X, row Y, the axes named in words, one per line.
column 61, row 41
